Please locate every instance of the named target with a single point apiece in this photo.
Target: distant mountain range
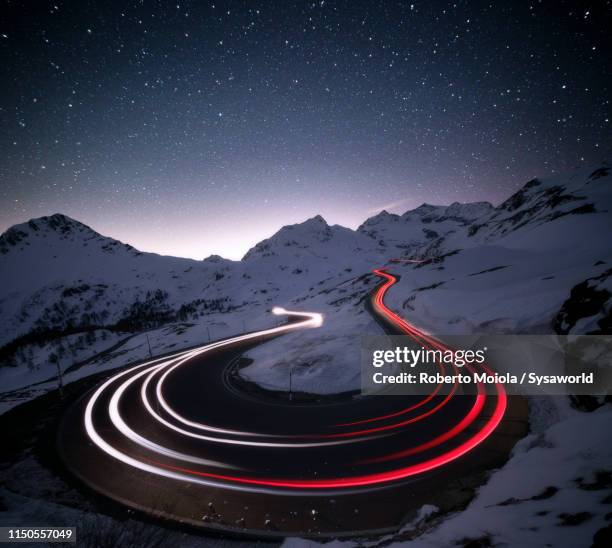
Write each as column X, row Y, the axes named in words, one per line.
column 58, row 273
column 540, row 261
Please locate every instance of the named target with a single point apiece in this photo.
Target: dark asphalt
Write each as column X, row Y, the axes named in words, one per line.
column 198, row 390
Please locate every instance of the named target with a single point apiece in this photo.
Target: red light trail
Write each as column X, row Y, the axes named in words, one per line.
column 154, row 373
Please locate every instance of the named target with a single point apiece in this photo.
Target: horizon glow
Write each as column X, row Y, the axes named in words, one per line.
column 190, row 130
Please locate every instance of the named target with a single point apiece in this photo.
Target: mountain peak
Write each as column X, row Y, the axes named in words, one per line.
column 468, row 210
column 316, row 220
column 59, row 217
column 57, row 222
column 215, row 259
column 51, row 229
column 384, row 214
column 423, row 209
column 293, row 236
column 381, row 217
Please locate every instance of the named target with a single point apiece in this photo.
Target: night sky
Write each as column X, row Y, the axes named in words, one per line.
column 191, row 128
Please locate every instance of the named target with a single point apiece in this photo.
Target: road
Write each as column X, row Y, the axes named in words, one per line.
column 169, row 438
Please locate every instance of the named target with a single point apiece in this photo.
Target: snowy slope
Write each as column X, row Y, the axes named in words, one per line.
column 515, row 268
column 539, row 262
column 58, row 273
column 61, row 279
column 526, row 265
column 530, row 265
column 408, row 235
column 555, row 490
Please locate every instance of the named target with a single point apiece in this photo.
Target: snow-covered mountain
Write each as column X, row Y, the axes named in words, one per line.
column 417, row 229
column 521, row 266
column 58, row 274
column 529, row 264
column 68, row 290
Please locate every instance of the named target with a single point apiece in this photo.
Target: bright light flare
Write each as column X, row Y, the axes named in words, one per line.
column 315, row 319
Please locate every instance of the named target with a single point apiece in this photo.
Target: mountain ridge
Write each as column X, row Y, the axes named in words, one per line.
column 61, row 277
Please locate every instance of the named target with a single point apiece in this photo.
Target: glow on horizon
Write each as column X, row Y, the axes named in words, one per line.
column 230, row 236
column 196, row 226
column 196, row 238
column 230, row 242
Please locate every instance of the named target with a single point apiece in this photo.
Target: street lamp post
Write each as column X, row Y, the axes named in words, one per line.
column 60, row 379
column 149, row 345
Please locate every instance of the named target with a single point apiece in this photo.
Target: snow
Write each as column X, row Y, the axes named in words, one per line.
column 577, row 447
column 321, row 361
column 555, row 476
column 20, row 384
column 498, row 269
column 511, row 268
column 32, row 369
column 94, row 529
column 500, row 282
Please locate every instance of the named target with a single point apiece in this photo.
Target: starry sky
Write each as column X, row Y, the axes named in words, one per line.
column 191, row 128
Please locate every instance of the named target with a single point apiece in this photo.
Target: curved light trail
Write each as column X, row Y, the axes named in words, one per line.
column 181, row 448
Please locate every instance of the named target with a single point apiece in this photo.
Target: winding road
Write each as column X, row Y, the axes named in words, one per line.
column 169, row 438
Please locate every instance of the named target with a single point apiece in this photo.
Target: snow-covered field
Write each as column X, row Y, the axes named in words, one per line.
column 556, row 490
column 540, row 262
column 510, row 268
column 521, row 267
column 22, row 383
column 513, row 273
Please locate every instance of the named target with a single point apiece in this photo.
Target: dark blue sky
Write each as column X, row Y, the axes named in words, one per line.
column 192, row 128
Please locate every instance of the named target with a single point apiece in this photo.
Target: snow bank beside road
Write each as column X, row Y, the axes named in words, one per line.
column 556, row 490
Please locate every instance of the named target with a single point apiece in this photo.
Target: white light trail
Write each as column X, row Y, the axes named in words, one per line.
column 149, row 369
